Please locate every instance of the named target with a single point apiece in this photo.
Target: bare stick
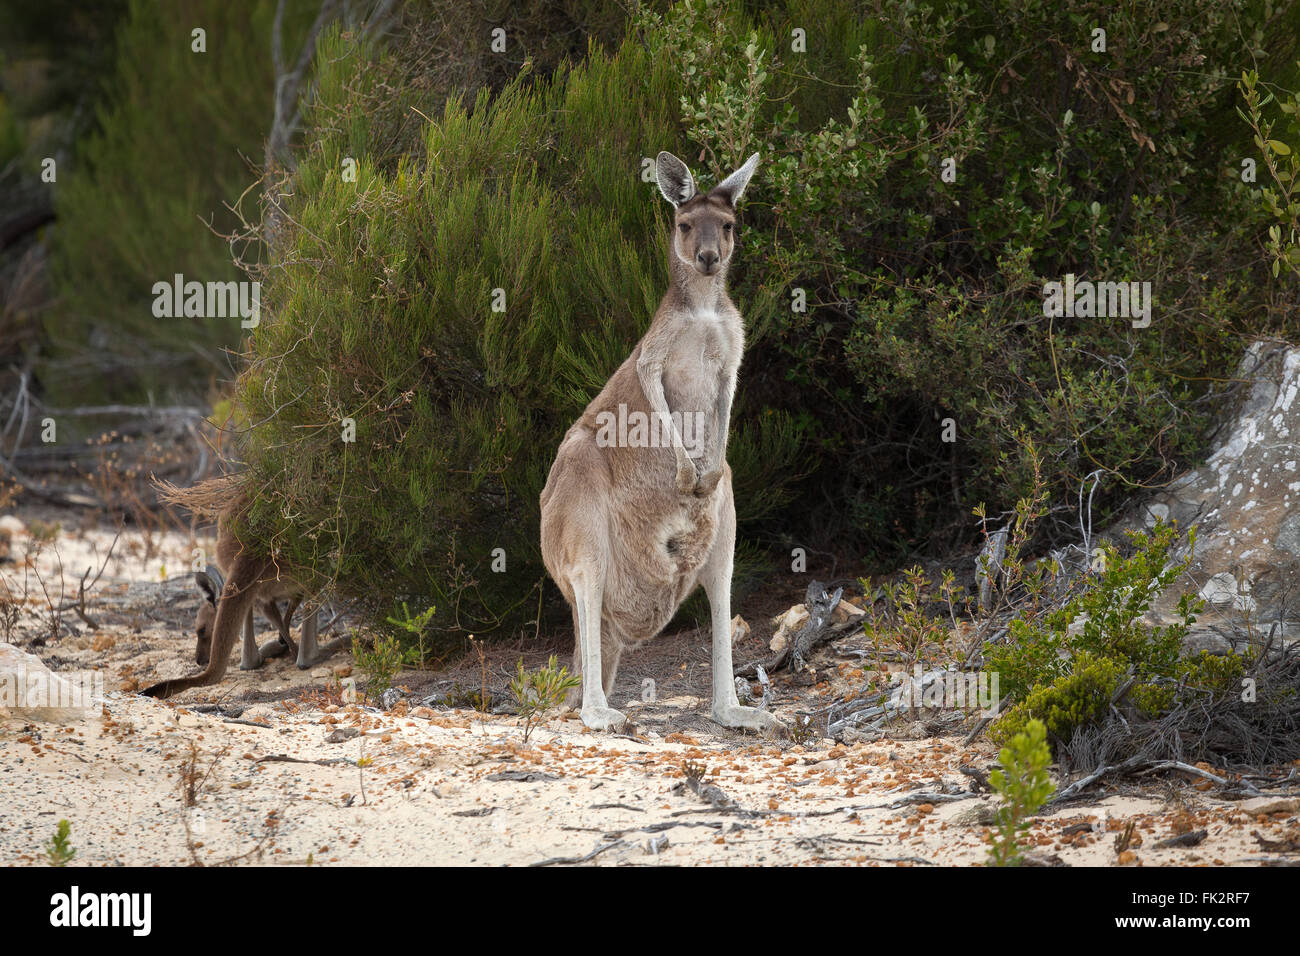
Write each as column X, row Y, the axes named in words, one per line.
column 80, row 604
column 283, row 758
column 562, row 860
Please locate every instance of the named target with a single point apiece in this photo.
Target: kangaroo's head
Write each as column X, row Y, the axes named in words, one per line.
column 210, row 584
column 704, row 224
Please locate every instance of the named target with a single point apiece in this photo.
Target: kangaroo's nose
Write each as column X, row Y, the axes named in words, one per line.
column 708, row 259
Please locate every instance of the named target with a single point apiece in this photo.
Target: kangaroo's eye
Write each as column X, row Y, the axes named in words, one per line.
column 726, row 227
column 685, row 227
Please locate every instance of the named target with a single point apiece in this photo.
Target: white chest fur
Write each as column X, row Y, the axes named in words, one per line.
column 700, row 373
column 698, row 361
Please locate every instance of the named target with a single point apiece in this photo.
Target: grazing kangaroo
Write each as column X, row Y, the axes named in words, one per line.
column 210, row 583
column 252, row 582
column 630, row 525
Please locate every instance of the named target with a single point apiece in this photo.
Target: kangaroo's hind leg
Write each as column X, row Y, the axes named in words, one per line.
column 715, row 576
column 250, row 657
column 284, row 643
column 310, row 652
column 587, row 595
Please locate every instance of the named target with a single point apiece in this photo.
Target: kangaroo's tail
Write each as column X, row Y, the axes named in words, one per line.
column 237, row 598
column 209, row 498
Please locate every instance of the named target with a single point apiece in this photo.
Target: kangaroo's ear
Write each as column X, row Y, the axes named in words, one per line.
column 208, row 586
column 211, row 583
column 734, row 185
column 675, row 180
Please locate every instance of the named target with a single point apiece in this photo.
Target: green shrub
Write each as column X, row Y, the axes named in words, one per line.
column 1070, row 701
column 414, row 627
column 903, row 622
column 538, row 691
column 380, row 661
column 1065, row 668
column 58, row 848
column 1218, row 674
column 1106, row 611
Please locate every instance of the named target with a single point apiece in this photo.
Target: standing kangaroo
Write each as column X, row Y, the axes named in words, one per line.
column 630, row 525
column 251, row 581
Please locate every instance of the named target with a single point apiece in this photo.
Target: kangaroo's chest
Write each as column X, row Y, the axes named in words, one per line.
column 701, row 363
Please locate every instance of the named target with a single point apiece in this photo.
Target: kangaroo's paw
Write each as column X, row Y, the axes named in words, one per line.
column 687, row 477
column 276, row 648
column 605, row 718
column 749, row 718
column 270, row 649
column 707, row 483
column 322, row 651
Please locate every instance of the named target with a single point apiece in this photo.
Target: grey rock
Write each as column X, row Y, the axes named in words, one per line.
column 1245, row 503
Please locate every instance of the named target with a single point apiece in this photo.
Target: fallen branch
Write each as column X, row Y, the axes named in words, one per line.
column 284, row 758
column 1195, row 838
column 924, row 797
column 816, row 630
column 985, row 721
column 979, row 779
column 1080, row 784
column 1188, row 768
column 565, row 860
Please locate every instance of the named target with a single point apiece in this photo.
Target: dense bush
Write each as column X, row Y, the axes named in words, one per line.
column 181, row 135
column 175, row 138
column 924, row 296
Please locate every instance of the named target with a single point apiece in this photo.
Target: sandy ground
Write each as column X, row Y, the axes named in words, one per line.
column 282, row 771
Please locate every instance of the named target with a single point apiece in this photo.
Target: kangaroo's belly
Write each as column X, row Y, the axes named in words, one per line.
column 653, row 571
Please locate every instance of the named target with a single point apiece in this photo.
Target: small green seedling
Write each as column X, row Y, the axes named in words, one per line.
column 58, row 848
column 540, row 690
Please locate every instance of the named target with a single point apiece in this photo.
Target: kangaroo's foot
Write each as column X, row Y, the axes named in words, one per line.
column 310, row 657
column 605, row 718
column 748, row 718
column 277, row 648
column 274, row 648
